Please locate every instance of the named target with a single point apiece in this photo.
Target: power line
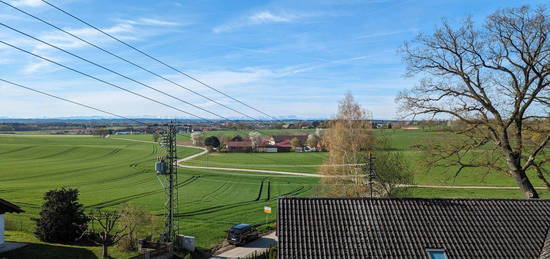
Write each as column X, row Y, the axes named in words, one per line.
column 103, row 81
column 155, row 59
column 70, row 101
column 110, row 70
column 126, row 60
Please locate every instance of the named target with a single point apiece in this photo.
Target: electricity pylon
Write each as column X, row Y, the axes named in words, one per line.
column 368, row 166
column 167, row 173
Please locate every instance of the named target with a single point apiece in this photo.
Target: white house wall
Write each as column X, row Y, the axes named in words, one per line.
column 1, row 229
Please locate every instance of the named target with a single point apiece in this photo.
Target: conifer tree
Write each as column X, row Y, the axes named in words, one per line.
column 62, row 218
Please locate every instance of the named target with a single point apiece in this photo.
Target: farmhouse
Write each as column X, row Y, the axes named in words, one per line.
column 271, row 144
column 239, row 146
column 281, row 138
column 413, row 228
column 6, row 207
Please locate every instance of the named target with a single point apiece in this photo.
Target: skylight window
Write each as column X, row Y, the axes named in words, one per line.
column 436, row 253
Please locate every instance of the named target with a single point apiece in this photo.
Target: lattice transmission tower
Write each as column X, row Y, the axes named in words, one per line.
column 167, row 173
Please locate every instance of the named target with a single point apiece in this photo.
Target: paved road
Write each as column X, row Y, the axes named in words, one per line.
column 8, row 246
column 259, row 245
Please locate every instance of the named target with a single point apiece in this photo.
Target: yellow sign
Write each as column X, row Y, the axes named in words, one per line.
column 267, row 209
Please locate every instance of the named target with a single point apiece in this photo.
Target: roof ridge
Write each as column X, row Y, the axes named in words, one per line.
column 11, row 207
column 411, row 198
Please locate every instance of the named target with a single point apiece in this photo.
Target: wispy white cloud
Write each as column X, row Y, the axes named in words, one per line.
column 124, row 29
column 306, row 68
column 386, row 33
column 150, row 22
column 34, row 67
column 60, row 39
column 6, row 17
column 261, row 17
column 267, row 17
column 235, row 78
column 29, row 3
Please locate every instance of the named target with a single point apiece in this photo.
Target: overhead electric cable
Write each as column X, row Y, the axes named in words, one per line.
column 155, row 59
column 110, row 70
column 103, row 81
column 73, row 102
column 126, row 60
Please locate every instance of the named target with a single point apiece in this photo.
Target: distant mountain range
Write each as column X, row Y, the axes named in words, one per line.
column 95, row 119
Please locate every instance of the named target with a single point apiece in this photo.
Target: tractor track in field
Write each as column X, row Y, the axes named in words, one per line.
column 220, row 189
column 128, row 198
column 182, row 160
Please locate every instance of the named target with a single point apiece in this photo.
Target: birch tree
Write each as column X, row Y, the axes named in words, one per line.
column 348, row 137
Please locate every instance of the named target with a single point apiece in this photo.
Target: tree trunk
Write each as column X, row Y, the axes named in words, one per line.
column 540, row 175
column 524, row 184
column 105, row 251
column 514, row 164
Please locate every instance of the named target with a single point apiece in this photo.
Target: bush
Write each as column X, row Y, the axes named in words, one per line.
column 135, row 219
column 271, row 253
column 212, row 142
column 9, row 224
column 62, row 218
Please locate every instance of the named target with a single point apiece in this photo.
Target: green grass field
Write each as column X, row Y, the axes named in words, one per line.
column 288, row 162
column 401, row 141
column 109, row 172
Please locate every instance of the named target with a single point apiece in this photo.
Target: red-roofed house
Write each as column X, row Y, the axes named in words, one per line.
column 272, row 144
column 239, row 146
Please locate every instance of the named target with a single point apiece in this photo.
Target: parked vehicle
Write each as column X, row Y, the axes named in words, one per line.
column 241, row 234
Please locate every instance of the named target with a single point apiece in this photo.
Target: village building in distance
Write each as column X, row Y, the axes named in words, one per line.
column 271, row 144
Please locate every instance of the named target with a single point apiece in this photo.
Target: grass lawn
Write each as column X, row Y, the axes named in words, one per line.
column 39, row 249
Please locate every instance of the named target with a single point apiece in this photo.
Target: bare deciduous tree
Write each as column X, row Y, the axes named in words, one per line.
column 349, row 135
column 495, row 79
column 110, row 233
column 135, row 219
column 197, row 138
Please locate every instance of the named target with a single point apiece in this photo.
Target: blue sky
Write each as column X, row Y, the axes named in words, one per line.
column 287, row 58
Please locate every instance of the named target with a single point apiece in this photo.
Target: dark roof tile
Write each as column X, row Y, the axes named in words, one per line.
column 8, row 207
column 405, row 228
